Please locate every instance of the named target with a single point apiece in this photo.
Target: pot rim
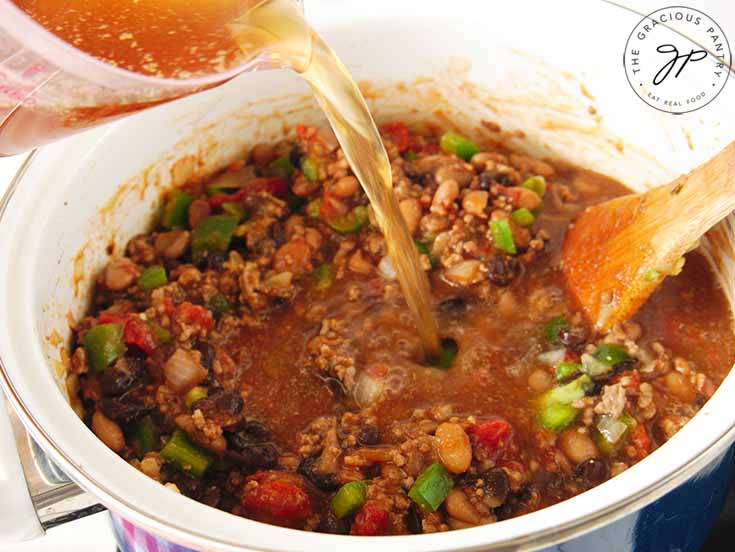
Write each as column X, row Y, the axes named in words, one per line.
column 541, row 534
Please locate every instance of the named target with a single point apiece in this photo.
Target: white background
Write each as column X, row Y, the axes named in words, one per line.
column 94, row 534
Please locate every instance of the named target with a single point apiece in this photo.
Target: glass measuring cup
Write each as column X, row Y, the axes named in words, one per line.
column 50, row 89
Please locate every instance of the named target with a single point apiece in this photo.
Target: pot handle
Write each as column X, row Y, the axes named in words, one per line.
column 36, row 494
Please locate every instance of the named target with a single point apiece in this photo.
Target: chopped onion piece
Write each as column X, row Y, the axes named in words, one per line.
column 593, row 367
column 612, row 429
column 385, row 266
column 552, row 358
column 183, row 371
column 367, row 389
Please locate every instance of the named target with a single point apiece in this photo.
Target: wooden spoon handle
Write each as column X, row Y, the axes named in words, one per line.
column 689, row 206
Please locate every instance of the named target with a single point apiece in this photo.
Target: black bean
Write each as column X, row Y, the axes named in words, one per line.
column 336, row 387
column 485, row 180
column 453, row 305
column 295, row 157
column 555, row 486
column 410, row 170
column 254, row 431
column 208, row 353
column 215, row 260
column 277, row 234
column 330, row 523
column 413, row 520
column 592, row 472
column 121, row 377
column 368, row 435
column 123, row 411
column 502, row 270
column 503, row 179
column 497, row 484
column 255, row 456
column 323, row 481
column 628, row 364
column 227, row 401
column 573, row 338
column 249, row 433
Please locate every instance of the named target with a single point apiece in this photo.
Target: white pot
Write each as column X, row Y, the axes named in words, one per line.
column 57, row 223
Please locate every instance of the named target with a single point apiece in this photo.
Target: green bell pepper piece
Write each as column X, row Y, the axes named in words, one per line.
column 213, row 235
column 431, row 487
column 103, row 344
column 611, row 354
column 309, row 169
column 235, row 210
column 181, row 453
column 194, row 394
column 352, row 222
column 503, row 236
column 458, row 145
column 523, row 217
column 535, row 184
column 553, row 327
column 349, row 498
column 144, row 439
column 176, row 211
column 282, row 167
column 152, row 277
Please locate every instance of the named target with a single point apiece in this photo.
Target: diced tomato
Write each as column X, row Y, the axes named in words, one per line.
column 304, row 132
column 139, row 333
column 168, row 306
column 371, row 520
column 188, row 313
column 399, row 134
column 571, row 356
column 107, row 317
column 278, row 499
column 430, row 149
column 236, row 165
column 641, row 441
column 493, row 435
column 273, row 185
column 330, row 207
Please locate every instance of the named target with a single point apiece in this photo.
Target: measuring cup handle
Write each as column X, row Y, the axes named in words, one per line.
column 36, row 494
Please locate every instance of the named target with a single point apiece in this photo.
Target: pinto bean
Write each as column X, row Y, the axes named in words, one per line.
column 262, row 154
column 465, row 273
column 173, row 244
column 480, row 160
column 578, row 447
column 120, row 274
column 540, row 380
column 293, row 226
column 453, row 446
column 359, row 263
column 108, row 431
column 444, row 197
column 678, row 385
column 292, row 257
column 347, row 186
column 527, row 198
column 459, row 172
column 460, row 508
column 475, row 202
column 411, row 211
column 198, row 210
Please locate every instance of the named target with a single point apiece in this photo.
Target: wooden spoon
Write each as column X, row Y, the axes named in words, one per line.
column 616, row 253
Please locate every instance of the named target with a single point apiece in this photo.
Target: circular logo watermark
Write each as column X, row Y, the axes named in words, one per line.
column 677, row 59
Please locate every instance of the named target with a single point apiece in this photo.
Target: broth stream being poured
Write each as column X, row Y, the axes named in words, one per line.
column 277, row 26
